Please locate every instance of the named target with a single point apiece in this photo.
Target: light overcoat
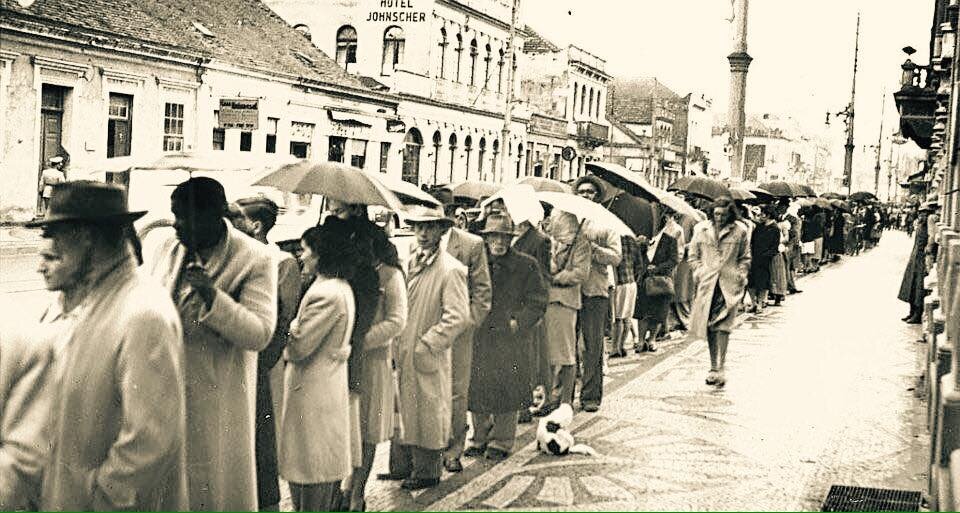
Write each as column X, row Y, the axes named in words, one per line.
column 439, row 311
column 717, row 260
column 221, row 346
column 118, row 417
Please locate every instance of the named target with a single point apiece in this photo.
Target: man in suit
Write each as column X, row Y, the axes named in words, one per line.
column 469, row 250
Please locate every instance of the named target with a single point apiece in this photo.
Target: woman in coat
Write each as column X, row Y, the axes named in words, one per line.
column 911, row 287
column 763, row 249
column 377, row 384
column 315, row 427
column 657, row 257
column 720, row 258
column 569, row 267
column 498, row 381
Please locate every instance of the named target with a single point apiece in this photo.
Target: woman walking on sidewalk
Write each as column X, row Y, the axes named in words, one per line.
column 720, row 258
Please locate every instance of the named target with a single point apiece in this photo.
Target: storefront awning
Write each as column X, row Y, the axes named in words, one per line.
column 349, row 119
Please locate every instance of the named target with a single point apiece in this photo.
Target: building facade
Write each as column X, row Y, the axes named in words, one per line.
column 107, row 99
column 445, row 61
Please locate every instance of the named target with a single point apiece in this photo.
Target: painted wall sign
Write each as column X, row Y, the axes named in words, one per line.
column 239, row 113
column 397, row 11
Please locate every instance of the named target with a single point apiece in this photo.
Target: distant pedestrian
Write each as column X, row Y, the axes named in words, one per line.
column 656, row 263
column 499, row 383
column 224, row 285
column 720, row 258
column 763, row 250
column 117, row 426
column 51, row 175
column 911, row 287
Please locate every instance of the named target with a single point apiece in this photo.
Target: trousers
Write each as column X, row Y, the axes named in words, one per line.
column 497, row 430
column 593, row 315
column 414, row 461
column 461, row 358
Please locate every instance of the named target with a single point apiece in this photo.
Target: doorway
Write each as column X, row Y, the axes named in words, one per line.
column 51, row 126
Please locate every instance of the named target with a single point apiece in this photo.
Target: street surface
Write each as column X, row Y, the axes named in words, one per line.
column 819, row 392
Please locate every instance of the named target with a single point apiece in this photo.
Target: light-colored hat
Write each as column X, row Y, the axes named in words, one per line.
column 56, row 160
column 424, row 214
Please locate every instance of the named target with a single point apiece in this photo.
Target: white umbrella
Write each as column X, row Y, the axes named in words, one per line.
column 407, row 192
column 520, row 201
column 585, row 209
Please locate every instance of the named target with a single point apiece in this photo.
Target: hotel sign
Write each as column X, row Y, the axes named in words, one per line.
column 239, row 113
column 397, row 11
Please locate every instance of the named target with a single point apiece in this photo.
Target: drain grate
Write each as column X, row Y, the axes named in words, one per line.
column 855, row 498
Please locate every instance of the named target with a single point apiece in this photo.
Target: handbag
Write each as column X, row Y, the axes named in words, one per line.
column 658, row 286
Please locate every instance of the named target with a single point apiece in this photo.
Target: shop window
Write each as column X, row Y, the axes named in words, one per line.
column 337, row 149
column 173, row 127
column 301, row 136
column 119, row 129
column 346, row 46
column 358, row 152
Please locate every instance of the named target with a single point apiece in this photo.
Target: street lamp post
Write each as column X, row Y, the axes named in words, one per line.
column 739, row 64
column 848, row 115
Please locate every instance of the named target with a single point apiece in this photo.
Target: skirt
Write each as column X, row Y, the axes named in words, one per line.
column 778, row 275
column 376, row 397
column 722, row 318
column 561, row 323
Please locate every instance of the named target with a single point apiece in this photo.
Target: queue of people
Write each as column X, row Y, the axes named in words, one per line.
column 149, row 389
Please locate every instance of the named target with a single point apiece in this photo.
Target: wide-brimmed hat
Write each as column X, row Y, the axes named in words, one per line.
column 423, row 214
column 88, row 201
column 499, row 224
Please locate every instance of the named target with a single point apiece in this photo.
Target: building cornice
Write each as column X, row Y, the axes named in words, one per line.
column 473, row 13
column 454, row 106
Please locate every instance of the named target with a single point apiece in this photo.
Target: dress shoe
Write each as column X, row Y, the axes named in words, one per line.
column 453, row 465
column 474, row 451
column 914, row 320
column 640, row 348
column 591, row 407
column 392, row 477
column 419, row 484
column 525, row 417
column 617, row 354
column 712, row 377
column 907, row 318
column 721, row 379
column 796, row 291
column 496, row 454
column 651, row 347
column 544, row 410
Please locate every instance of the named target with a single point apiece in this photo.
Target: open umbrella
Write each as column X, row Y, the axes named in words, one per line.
column 823, row 203
column 762, row 195
column 807, row 190
column 541, row 184
column 407, row 192
column 839, row 205
column 333, row 180
column 742, row 194
column 586, row 209
column 474, row 189
column 862, row 196
column 701, row 186
column 833, row 195
column 623, row 178
column 783, row 189
column 521, row 203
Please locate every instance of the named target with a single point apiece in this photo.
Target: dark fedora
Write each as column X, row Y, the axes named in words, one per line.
column 87, row 201
column 498, row 224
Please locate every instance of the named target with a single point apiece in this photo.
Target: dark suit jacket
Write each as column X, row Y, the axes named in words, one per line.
column 469, row 250
column 536, row 244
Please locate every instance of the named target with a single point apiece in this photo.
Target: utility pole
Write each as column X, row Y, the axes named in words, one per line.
column 508, row 108
column 876, row 170
column 739, row 64
column 848, row 156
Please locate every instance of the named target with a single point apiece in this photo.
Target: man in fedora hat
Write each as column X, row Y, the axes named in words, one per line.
column 224, row 286
column 439, row 310
column 117, row 426
column 499, row 383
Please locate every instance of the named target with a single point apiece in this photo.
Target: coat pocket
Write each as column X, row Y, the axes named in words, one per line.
column 424, row 361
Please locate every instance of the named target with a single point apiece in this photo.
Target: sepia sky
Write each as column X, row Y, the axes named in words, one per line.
column 802, row 50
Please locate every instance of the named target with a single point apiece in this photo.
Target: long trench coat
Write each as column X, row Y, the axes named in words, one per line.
column 911, row 286
column 118, row 419
column 315, row 423
column 439, row 311
column 221, row 346
column 718, row 260
column 499, row 379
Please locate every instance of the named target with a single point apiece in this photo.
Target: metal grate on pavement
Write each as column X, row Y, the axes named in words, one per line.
column 855, row 498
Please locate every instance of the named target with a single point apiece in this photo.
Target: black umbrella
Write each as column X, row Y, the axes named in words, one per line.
column 807, row 190
column 742, row 195
column 862, row 196
column 701, row 186
column 762, row 195
column 782, row 189
column 833, row 195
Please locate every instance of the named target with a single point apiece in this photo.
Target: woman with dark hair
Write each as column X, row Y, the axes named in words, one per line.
column 719, row 254
column 315, row 449
column 658, row 258
column 377, row 384
column 763, row 249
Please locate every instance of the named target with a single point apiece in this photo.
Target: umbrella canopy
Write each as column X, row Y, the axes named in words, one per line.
column 585, row 209
column 862, row 196
column 742, row 194
column 407, row 192
column 679, row 206
column 823, row 203
column 839, row 205
column 541, row 184
column 783, row 189
column 521, row 203
column 333, row 180
column 833, row 195
column 623, row 178
column 807, row 190
column 762, row 195
column 701, row 186
column 474, row 189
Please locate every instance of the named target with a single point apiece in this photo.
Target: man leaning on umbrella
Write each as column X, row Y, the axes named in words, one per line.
column 117, row 428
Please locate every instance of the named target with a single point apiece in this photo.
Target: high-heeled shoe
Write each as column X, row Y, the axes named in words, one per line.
column 712, row 377
column 721, row 379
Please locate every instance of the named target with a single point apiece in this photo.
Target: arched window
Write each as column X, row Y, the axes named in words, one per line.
column 519, row 158
column 468, row 148
column 480, row 154
column 496, row 154
column 583, row 98
column 590, row 104
column 437, row 141
column 599, row 104
column 346, row 46
column 453, row 153
column 443, row 51
column 500, row 72
column 473, row 62
column 393, row 43
column 573, row 109
column 459, row 50
column 411, row 156
column 486, row 66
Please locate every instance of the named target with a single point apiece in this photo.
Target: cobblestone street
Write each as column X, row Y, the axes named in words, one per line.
column 820, row 392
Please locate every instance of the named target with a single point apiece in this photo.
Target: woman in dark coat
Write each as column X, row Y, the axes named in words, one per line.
column 763, row 247
column 499, row 385
column 656, row 257
column 836, row 243
column 911, row 288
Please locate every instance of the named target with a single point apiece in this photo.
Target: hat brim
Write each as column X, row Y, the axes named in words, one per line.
column 497, row 232
column 127, row 217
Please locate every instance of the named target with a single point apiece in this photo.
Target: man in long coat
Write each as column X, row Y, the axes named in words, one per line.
column 117, row 420
column 439, row 311
column 498, row 389
column 468, row 249
column 531, row 241
column 224, row 284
